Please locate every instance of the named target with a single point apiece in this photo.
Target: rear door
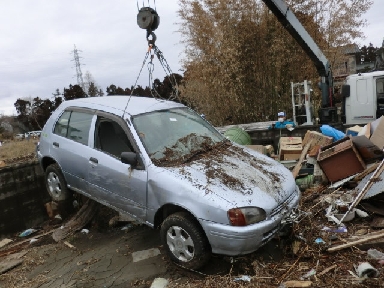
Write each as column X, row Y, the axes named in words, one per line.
column 115, row 183
column 70, row 148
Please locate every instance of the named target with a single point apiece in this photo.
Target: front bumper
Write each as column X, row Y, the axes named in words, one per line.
column 234, row 240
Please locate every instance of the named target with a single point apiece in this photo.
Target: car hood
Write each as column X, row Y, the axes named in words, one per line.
column 238, row 175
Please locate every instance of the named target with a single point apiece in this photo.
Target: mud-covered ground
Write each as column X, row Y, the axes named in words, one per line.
column 105, row 257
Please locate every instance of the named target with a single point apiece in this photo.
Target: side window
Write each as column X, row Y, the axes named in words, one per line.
column 78, row 128
column 111, row 138
column 61, row 126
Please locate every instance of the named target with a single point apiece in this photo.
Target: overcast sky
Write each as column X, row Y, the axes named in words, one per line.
column 37, row 40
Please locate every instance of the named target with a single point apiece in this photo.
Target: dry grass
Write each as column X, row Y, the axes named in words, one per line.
column 17, row 151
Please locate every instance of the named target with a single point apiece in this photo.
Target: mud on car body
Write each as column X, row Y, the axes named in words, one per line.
column 163, row 164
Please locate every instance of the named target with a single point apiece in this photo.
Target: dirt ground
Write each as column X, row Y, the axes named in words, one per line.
column 133, row 257
column 104, row 257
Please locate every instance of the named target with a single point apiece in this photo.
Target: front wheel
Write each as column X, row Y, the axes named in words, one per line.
column 185, row 241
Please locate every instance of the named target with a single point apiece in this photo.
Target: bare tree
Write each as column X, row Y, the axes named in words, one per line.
column 239, row 60
column 90, row 86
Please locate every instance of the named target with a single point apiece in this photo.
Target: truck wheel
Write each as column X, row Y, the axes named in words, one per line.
column 56, row 185
column 185, row 241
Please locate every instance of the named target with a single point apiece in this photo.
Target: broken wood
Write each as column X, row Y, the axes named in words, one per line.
column 11, row 262
column 367, row 171
column 297, row 168
column 297, row 284
column 78, row 221
column 5, row 242
column 69, row 245
column 326, row 270
column 20, row 245
column 366, row 238
column 294, row 264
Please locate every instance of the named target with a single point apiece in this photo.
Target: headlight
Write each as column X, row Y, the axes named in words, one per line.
column 246, row 215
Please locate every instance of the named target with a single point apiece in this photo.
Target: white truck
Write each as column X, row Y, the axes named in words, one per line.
column 363, row 97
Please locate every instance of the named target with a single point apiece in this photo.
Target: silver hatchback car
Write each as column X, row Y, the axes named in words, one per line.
column 163, row 164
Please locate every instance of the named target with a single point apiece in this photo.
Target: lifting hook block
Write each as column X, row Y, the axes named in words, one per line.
column 148, row 19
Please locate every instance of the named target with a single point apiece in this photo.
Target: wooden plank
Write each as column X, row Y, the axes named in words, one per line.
column 11, row 261
column 326, row 270
column 353, row 243
column 366, row 172
column 297, row 168
column 7, row 265
column 297, row 284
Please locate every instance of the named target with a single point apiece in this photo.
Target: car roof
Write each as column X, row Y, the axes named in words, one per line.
column 117, row 104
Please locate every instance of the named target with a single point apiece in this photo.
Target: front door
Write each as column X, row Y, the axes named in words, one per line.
column 118, row 184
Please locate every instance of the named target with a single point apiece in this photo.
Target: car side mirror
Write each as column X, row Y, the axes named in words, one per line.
column 129, row 158
column 345, row 91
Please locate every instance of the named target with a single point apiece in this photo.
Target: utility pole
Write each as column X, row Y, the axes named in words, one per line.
column 79, row 75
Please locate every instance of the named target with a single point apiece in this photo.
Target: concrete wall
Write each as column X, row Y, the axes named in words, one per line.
column 22, row 198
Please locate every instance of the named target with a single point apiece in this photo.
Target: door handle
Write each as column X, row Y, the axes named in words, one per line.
column 56, row 144
column 94, row 160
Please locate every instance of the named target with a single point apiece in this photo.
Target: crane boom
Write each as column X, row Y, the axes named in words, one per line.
column 289, row 21
column 286, row 17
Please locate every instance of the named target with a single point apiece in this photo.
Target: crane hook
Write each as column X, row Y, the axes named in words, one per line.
column 148, row 19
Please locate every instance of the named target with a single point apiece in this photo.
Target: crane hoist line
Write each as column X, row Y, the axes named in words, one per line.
column 148, row 19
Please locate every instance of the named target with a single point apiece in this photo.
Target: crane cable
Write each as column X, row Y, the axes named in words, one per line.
column 148, row 19
column 168, row 71
column 137, row 79
column 151, row 68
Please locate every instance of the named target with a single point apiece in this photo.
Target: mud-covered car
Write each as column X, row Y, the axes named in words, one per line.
column 163, row 164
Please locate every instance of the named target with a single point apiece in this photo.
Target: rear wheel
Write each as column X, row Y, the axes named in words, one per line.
column 185, row 241
column 56, row 185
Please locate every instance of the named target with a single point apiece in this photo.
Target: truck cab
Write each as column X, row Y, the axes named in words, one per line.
column 363, row 97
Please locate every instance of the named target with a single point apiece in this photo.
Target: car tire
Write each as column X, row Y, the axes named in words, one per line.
column 185, row 241
column 56, row 184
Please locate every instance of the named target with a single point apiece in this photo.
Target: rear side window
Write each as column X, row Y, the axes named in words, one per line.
column 74, row 125
column 61, row 126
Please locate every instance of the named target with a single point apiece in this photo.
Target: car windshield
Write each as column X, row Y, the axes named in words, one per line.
column 175, row 135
